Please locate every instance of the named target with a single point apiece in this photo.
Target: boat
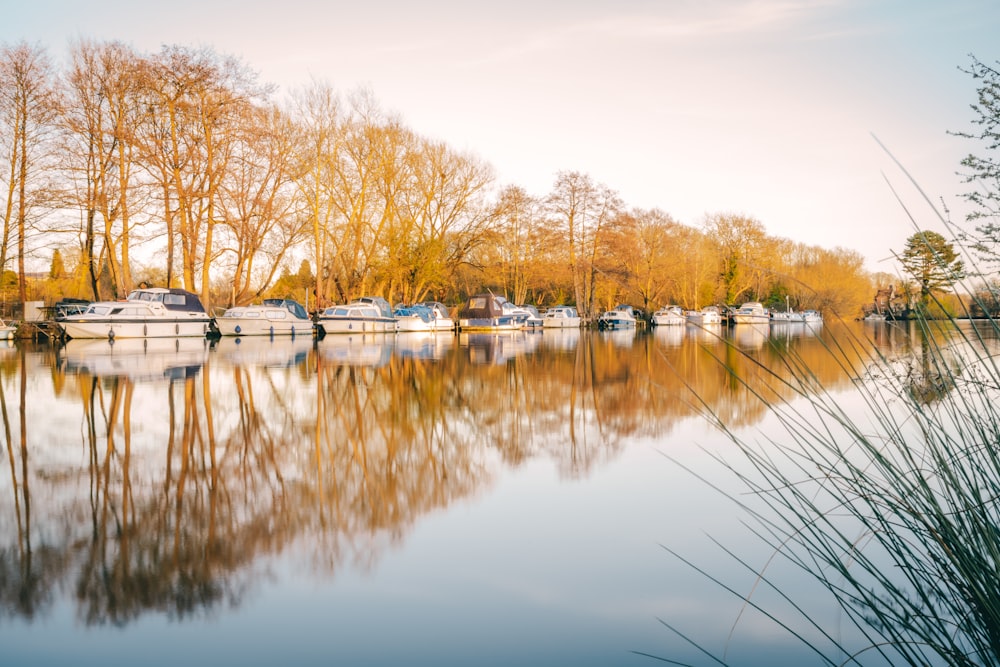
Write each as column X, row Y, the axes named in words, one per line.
column 273, row 317
column 529, row 316
column 561, row 317
column 7, row 331
column 707, row 316
column 751, row 312
column 485, row 312
column 669, row 316
column 621, row 316
column 422, row 317
column 369, row 314
column 875, row 316
column 152, row 312
column 812, row 316
column 442, row 315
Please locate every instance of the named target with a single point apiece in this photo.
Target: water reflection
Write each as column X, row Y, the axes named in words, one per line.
column 141, row 359
column 166, row 469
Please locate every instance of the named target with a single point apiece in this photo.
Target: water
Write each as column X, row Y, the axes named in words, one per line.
column 380, row 500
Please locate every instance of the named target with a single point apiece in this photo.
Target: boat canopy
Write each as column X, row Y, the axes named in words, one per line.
column 294, row 307
column 482, row 306
column 173, row 298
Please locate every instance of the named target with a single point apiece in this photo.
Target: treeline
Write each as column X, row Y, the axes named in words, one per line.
column 180, row 167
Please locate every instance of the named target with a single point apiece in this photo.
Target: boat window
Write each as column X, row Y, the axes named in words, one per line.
column 173, row 299
column 251, row 313
column 98, row 310
column 233, row 312
column 477, row 302
column 276, row 314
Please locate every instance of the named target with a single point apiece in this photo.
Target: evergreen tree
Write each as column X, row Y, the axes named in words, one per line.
column 933, row 263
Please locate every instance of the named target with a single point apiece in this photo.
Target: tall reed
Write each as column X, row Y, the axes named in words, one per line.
column 893, row 507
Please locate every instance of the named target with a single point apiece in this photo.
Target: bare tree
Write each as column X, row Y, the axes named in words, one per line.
column 101, row 110
column 316, row 114
column 196, row 101
column 28, row 107
column 582, row 208
column 262, row 222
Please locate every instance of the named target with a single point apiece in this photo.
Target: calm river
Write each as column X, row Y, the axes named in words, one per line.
column 414, row 499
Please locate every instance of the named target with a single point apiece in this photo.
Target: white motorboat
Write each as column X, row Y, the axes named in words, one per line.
column 561, row 317
column 442, row 316
column 154, row 312
column 751, row 312
column 619, row 317
column 422, row 317
column 274, row 317
column 365, row 315
column 707, row 316
column 812, row 316
column 7, row 331
column 669, row 316
column 529, row 316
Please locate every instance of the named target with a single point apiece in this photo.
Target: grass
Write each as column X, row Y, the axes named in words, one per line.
column 892, row 509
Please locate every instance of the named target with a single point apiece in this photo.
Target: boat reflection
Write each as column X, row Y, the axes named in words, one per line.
column 671, row 336
column 139, row 359
column 619, row 337
column 371, row 349
column 498, row 347
column 751, row 336
column 277, row 351
column 424, row 344
column 565, row 339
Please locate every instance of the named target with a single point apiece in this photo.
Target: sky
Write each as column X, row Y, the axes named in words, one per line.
column 811, row 116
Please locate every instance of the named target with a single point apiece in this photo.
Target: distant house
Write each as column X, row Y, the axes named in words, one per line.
column 888, row 302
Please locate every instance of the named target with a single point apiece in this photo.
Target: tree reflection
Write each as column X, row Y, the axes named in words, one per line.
column 195, row 474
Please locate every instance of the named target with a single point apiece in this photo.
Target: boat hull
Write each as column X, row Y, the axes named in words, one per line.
column 263, row 326
column 354, row 325
column 561, row 323
column 82, row 327
column 504, row 323
column 416, row 324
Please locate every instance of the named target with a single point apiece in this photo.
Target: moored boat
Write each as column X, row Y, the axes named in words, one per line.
column 751, row 312
column 707, row 316
column 620, row 317
column 423, row 317
column 669, row 316
column 274, row 317
column 561, row 317
column 485, row 312
column 7, row 331
column 370, row 314
column 442, row 316
column 154, row 312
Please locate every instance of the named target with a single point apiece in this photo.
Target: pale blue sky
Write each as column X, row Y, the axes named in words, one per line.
column 759, row 107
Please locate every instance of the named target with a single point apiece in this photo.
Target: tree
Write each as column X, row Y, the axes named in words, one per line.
column 28, row 106
column 932, row 262
column 744, row 253
column 57, row 269
column 100, row 113
column 582, row 208
column 984, row 170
